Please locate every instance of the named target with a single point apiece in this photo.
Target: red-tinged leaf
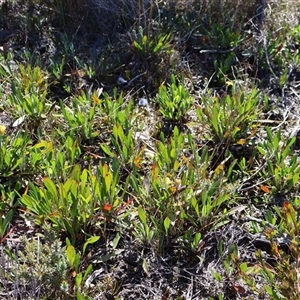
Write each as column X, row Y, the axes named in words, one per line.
column 279, row 48
column 287, row 206
column 73, row 273
column 253, row 133
column 130, row 201
column 239, row 289
column 275, row 249
column 7, row 235
column 154, row 171
column 94, row 155
column 268, row 267
column 137, row 161
column 107, row 207
column 153, row 167
column 265, row 189
column 268, row 231
column 54, row 214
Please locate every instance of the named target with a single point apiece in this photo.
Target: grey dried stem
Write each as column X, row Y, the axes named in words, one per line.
column 259, row 12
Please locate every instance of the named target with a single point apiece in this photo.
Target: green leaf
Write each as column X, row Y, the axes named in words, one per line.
column 79, row 296
column 106, row 150
column 218, row 276
column 30, row 203
column 167, row 223
column 50, row 186
column 197, row 239
column 5, row 222
column 121, row 117
column 71, row 255
column 108, row 176
column 91, row 240
column 78, row 280
column 137, row 46
column 243, row 267
column 145, row 267
column 116, row 240
column 142, row 215
column 88, row 271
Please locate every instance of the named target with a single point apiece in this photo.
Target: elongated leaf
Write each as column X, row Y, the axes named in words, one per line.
column 91, row 240
column 78, row 280
column 142, row 215
column 49, row 184
column 83, row 179
column 79, row 296
column 71, row 255
column 88, row 271
column 106, row 150
column 167, row 223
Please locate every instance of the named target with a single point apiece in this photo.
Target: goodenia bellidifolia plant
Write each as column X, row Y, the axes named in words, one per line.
column 174, row 100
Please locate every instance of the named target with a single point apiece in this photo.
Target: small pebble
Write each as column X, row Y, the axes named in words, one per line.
column 121, row 81
column 143, row 102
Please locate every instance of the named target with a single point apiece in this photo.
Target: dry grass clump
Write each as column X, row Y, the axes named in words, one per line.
column 285, row 12
column 115, row 16
column 218, row 10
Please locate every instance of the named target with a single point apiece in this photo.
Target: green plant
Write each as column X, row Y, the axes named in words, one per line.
column 68, row 205
column 223, row 38
column 283, row 278
column 29, row 94
column 87, row 69
column 174, row 101
column 6, row 217
column 230, row 118
column 123, row 145
column 115, row 110
column 278, row 53
column 223, row 66
column 74, row 260
column 143, row 229
column 223, row 42
column 238, row 274
column 82, row 160
column 191, row 240
column 56, row 160
column 150, row 45
column 178, row 193
column 282, row 169
column 56, row 68
column 14, row 157
column 79, row 115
